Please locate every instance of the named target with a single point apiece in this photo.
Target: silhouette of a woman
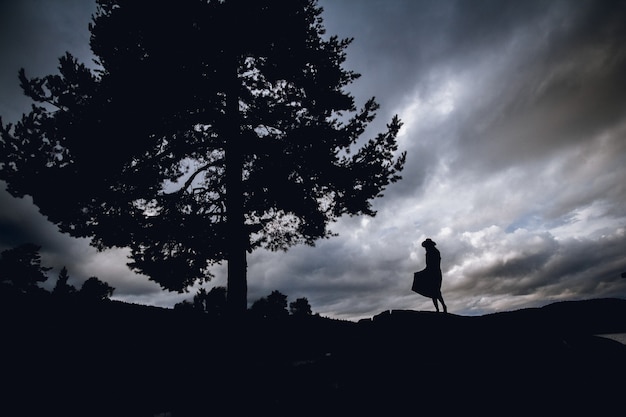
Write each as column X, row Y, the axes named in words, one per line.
column 427, row 282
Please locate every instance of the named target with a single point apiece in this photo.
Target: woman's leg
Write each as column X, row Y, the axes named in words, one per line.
column 436, row 305
column 445, row 309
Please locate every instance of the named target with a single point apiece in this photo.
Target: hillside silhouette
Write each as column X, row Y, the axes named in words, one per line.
column 116, row 359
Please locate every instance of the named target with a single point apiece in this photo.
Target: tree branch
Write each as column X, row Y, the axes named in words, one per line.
column 190, row 180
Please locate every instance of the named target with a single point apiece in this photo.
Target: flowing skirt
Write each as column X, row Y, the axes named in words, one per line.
column 427, row 283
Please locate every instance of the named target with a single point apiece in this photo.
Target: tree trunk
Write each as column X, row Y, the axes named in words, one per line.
column 237, row 239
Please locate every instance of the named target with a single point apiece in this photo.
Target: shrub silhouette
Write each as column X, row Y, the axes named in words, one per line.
column 300, row 307
column 212, row 303
column 273, row 307
column 94, row 289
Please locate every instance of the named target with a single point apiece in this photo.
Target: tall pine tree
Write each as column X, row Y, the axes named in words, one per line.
column 209, row 129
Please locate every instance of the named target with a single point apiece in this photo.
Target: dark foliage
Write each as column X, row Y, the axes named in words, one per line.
column 210, row 129
column 62, row 288
column 212, row 303
column 300, row 307
column 21, row 269
column 272, row 307
column 21, row 272
column 96, row 290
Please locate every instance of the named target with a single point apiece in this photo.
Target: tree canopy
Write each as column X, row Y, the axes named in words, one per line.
column 300, row 307
column 21, row 269
column 96, row 290
column 274, row 306
column 62, row 288
column 207, row 130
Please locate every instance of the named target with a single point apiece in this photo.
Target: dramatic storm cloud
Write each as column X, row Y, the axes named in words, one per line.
column 515, row 129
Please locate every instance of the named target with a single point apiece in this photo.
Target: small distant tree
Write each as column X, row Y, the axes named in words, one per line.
column 184, row 305
column 199, row 300
column 21, row 269
column 62, row 288
column 94, row 289
column 212, row 303
column 274, row 306
column 215, row 302
column 300, row 307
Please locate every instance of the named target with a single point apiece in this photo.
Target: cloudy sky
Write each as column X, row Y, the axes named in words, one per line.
column 515, row 126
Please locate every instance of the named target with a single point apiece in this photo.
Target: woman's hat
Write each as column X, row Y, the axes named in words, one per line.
column 428, row 242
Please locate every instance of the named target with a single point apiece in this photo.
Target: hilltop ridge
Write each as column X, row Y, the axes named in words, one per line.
column 118, row 359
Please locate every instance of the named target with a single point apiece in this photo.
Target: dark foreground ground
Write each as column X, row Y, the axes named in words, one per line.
column 115, row 359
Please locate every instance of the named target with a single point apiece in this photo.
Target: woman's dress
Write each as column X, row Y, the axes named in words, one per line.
column 427, row 282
